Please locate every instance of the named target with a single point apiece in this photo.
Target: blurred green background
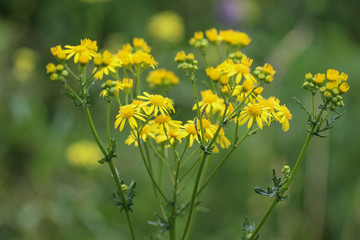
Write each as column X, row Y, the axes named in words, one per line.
column 43, row 196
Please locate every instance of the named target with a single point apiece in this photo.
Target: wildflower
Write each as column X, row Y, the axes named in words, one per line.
column 162, row 77
column 143, row 59
column 157, row 104
column 222, row 140
column 235, row 38
column 319, row 78
column 145, row 132
column 87, row 48
column 58, row 52
column 125, row 85
column 180, row 57
column 213, row 73
column 211, row 101
column 344, row 87
column 128, row 113
column 191, row 132
column 172, row 135
column 284, row 115
column 332, row 74
column 271, row 104
column 140, row 45
column 212, row 35
column 241, row 69
column 164, row 121
column 50, row 68
column 105, row 64
column 251, row 112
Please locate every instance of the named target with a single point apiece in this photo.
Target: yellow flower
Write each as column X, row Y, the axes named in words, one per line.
column 319, row 78
column 253, row 112
column 58, row 52
column 144, row 59
column 86, row 48
column 126, row 84
column 284, row 115
column 332, row 74
column 50, row 68
column 235, row 38
column 144, row 134
column 140, row 45
column 213, row 73
column 164, row 121
column 162, row 77
column 157, row 104
column 180, row 57
column 210, row 101
column 105, row 64
column 83, row 153
column 128, row 113
column 191, row 132
column 212, row 35
column 344, row 87
column 241, row 69
column 172, row 135
column 271, row 104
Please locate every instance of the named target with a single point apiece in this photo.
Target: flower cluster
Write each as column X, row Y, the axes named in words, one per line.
column 162, row 78
column 331, row 87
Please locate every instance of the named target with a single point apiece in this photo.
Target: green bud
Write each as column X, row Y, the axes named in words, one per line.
column 306, row 85
column 103, row 86
column 124, row 187
column 261, row 76
column 322, row 89
column 112, row 90
column 332, row 108
column 286, row 171
column 334, row 99
column 54, row 77
column 327, row 95
column 59, row 67
column 256, row 72
column 339, row 97
column 335, row 91
column 65, row 73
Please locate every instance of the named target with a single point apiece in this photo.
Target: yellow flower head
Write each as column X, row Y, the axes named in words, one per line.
column 145, row 133
column 319, row 78
column 344, row 87
column 164, row 121
column 212, row 35
column 162, row 77
column 50, row 68
column 253, row 112
column 58, row 52
column 105, row 64
column 213, row 73
column 210, row 101
column 157, row 104
column 128, row 113
column 87, row 48
column 140, row 45
column 284, row 115
column 180, row 57
column 332, row 74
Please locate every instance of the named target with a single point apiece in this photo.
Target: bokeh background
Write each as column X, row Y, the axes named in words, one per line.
column 44, row 196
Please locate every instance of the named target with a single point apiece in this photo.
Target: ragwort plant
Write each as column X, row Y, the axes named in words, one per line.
column 234, row 97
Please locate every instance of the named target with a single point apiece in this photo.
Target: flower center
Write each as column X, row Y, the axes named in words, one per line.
column 240, row 68
column 157, row 100
column 191, row 130
column 127, row 111
column 162, row 119
column 254, row 110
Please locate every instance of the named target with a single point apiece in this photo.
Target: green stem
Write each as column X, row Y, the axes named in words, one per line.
column 293, row 173
column 193, row 196
column 149, row 172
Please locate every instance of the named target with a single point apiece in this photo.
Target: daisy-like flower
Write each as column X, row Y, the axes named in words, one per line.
column 58, row 52
column 191, row 132
column 157, row 104
column 105, row 64
column 253, row 112
column 222, row 140
column 235, row 38
column 271, row 104
column 241, row 69
column 128, row 113
column 143, row 59
column 175, row 134
column 140, row 45
column 210, row 101
column 242, row 91
column 284, row 115
column 125, row 85
column 164, row 121
column 212, row 35
column 86, row 49
column 145, row 133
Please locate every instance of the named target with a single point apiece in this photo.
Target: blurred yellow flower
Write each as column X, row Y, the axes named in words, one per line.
column 167, row 26
column 83, row 153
